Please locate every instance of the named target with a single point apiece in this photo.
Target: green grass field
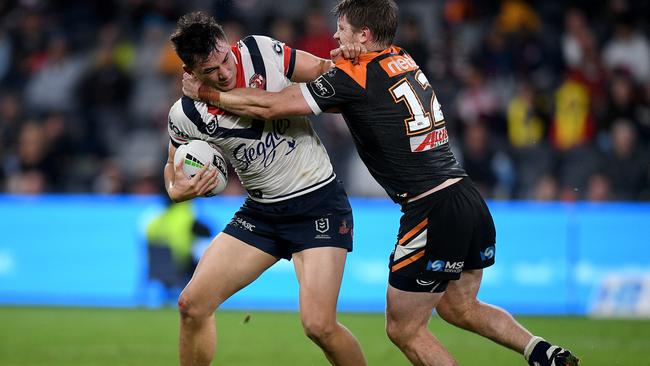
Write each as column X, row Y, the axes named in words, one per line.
column 69, row 337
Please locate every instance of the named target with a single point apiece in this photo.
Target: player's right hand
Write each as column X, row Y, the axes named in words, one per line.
column 348, row 51
column 185, row 188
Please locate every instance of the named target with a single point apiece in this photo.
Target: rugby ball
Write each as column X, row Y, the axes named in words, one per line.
column 195, row 155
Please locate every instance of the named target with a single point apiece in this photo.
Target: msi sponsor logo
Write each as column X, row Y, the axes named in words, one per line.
column 322, row 88
column 257, row 81
column 444, row 266
column 429, row 141
column 488, row 253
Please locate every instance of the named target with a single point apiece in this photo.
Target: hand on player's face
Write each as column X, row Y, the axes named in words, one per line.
column 219, row 70
column 187, row 188
column 191, row 86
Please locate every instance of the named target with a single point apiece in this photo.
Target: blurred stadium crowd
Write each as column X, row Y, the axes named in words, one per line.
column 545, row 100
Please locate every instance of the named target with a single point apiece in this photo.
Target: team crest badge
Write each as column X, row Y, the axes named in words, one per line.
column 257, row 81
column 344, row 228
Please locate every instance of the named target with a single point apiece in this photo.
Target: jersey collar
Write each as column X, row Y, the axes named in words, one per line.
column 240, row 67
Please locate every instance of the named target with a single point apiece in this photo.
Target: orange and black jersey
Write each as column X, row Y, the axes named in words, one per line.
column 394, row 117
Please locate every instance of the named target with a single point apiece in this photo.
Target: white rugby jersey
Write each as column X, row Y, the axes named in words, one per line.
column 276, row 159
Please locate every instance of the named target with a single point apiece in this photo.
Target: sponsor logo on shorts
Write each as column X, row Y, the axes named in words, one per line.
column 238, row 221
column 488, row 253
column 424, row 283
column 445, row 266
column 322, row 88
column 344, row 228
column 429, row 141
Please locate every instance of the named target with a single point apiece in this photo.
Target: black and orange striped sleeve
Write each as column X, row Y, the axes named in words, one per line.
column 333, row 89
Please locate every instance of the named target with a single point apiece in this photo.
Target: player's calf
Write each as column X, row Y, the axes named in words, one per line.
column 538, row 352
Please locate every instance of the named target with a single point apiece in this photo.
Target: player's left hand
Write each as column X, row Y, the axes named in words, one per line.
column 348, row 51
column 191, row 86
column 185, row 188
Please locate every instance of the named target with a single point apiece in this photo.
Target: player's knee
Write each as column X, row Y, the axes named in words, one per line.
column 319, row 329
column 398, row 333
column 191, row 309
column 459, row 314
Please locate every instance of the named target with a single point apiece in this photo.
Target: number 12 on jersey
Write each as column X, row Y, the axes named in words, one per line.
column 420, row 120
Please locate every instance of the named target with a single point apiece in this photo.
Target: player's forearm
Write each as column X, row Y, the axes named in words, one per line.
column 248, row 102
column 169, row 179
column 169, row 175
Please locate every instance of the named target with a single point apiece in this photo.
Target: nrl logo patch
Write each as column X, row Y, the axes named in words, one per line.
column 322, row 225
column 277, row 47
column 211, row 127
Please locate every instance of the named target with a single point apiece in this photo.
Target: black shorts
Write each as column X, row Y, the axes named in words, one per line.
column 441, row 235
column 322, row 218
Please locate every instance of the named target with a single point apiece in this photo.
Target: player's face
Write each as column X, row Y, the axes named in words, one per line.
column 345, row 33
column 219, row 69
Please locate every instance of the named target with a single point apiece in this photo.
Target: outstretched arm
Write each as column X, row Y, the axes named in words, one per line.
column 269, row 105
column 250, row 102
column 309, row 67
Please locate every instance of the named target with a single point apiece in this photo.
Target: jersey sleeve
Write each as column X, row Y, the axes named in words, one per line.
column 334, row 88
column 282, row 56
column 179, row 126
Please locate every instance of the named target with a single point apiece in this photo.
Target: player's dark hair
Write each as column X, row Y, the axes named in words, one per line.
column 380, row 16
column 195, row 37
